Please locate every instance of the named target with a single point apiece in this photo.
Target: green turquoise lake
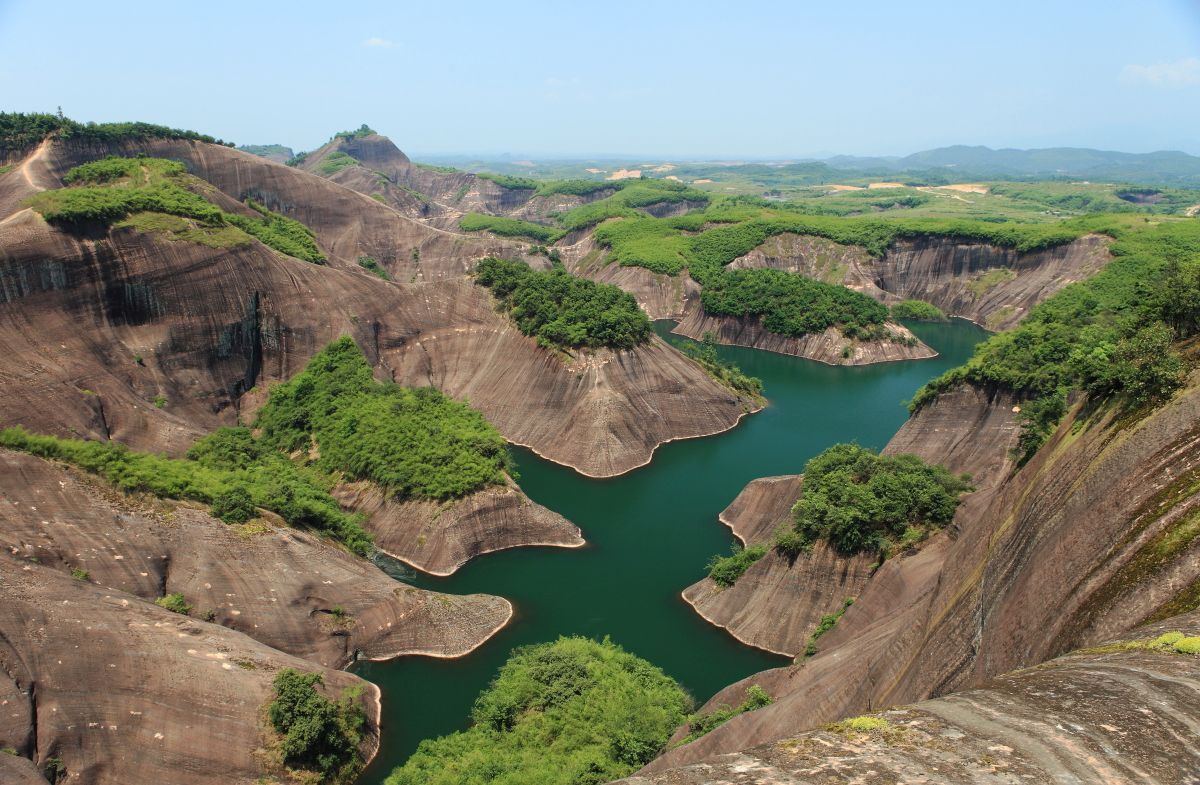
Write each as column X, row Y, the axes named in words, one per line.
column 650, row 533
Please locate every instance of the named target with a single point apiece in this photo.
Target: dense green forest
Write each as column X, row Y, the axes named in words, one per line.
column 572, row 712
column 21, row 132
column 111, row 189
column 562, row 310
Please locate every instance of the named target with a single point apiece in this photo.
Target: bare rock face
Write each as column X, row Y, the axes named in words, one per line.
column 439, row 538
column 1093, row 716
column 829, row 347
column 761, row 507
column 1098, row 522
column 123, row 691
column 282, row 587
column 778, row 601
column 993, row 286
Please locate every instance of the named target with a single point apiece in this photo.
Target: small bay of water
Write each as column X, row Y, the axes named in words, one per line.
column 650, row 533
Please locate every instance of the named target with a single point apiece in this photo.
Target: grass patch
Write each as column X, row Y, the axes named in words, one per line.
column 980, row 285
column 373, row 267
column 181, row 229
column 826, row 623
column 175, row 603
column 107, row 191
column 509, row 227
column 572, row 711
column 335, row 162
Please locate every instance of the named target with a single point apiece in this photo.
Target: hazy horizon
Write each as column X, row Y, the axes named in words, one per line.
column 775, row 81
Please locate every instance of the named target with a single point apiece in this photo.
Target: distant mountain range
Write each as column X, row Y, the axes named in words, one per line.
column 1167, row 167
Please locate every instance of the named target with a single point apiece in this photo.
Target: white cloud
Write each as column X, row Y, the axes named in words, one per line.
column 1184, row 72
column 378, row 43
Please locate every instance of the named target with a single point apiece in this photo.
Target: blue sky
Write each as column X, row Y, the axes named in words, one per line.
column 687, row 79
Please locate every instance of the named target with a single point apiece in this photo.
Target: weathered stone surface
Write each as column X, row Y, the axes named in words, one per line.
column 1116, row 717
column 1084, row 542
column 761, row 506
column 278, row 585
column 438, row 538
column 829, row 347
column 991, row 285
column 126, row 692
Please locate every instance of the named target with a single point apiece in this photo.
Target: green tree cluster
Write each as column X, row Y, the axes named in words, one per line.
column 416, row 442
column 1112, row 335
column 317, row 734
column 563, row 310
column 572, row 712
column 918, row 310
column 858, row 500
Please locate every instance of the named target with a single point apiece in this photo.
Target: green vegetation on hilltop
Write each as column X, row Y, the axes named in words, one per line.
column 266, row 150
column 918, row 310
column 508, row 227
column 563, row 310
column 728, row 374
column 221, row 462
column 109, row 190
column 509, row 182
column 572, row 712
column 361, row 132
column 315, row 733
column 858, row 500
column 21, row 132
column 700, row 724
column 631, row 194
column 416, row 442
column 1110, row 335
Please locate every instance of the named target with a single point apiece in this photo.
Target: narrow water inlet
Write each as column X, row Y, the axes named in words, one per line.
column 650, row 534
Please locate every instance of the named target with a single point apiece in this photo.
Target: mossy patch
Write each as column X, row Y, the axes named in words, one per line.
column 979, row 285
column 178, row 229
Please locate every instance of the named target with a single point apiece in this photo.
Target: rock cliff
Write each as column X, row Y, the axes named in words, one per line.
column 993, row 286
column 1101, row 520
column 210, row 325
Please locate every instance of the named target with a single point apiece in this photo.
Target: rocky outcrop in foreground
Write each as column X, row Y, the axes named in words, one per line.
column 1113, row 716
column 122, row 691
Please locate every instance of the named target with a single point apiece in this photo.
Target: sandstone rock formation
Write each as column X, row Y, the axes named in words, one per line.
column 991, row 285
column 285, row 588
column 122, row 691
column 830, row 347
column 1083, row 543
column 439, row 538
column 1092, row 716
